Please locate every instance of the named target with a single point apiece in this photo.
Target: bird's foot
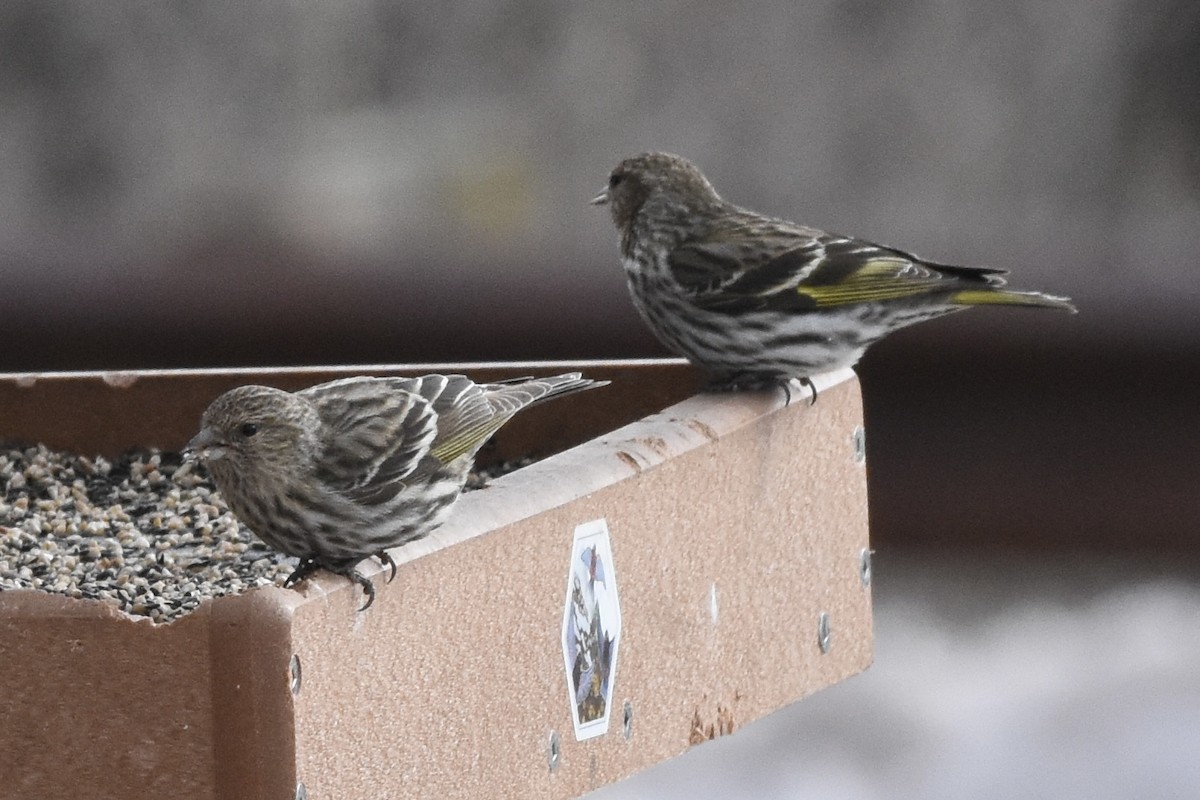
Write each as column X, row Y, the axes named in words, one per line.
column 367, row 587
column 309, row 565
column 386, row 559
column 750, row 382
column 812, row 388
column 349, row 571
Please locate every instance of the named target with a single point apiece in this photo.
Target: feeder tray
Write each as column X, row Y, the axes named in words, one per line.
column 728, row 566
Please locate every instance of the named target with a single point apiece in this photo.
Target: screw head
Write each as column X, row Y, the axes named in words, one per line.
column 294, row 668
column 859, row 438
column 554, row 751
column 823, row 633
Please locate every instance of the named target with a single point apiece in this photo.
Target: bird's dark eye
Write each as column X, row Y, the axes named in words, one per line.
column 615, row 180
column 249, row 429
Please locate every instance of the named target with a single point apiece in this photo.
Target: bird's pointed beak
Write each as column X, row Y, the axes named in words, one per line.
column 601, row 199
column 204, row 446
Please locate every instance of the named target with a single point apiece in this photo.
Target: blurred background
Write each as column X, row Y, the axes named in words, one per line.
column 215, row 183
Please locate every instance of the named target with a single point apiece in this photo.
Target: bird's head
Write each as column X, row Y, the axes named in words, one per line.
column 256, row 428
column 659, row 183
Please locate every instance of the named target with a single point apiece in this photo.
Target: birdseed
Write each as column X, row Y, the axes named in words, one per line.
column 147, row 533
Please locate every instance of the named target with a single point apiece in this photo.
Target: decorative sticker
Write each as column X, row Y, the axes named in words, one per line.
column 591, row 629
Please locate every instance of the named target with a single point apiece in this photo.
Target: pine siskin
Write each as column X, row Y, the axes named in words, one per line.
column 345, row 470
column 757, row 300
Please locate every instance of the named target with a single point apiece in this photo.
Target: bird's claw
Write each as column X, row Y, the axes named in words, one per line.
column 305, row 568
column 386, row 559
column 812, row 388
column 367, row 587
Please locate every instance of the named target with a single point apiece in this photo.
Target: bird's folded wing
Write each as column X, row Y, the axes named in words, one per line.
column 733, row 249
column 377, row 433
column 820, row 271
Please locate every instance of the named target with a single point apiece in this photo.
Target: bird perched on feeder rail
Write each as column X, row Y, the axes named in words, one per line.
column 342, row 471
column 758, row 301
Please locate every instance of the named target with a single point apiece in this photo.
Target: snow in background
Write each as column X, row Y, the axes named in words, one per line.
column 1063, row 678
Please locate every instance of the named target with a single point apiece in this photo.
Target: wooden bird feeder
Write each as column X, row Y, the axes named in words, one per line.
column 736, row 544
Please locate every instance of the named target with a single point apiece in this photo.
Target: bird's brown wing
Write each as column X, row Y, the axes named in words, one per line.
column 386, row 433
column 780, row 267
column 378, row 432
column 729, row 249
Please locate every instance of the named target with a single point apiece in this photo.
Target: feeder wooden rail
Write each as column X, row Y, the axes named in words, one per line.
column 738, row 530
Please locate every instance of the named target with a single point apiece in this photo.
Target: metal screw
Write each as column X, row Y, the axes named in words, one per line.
column 301, row 791
column 823, row 631
column 295, row 669
column 860, row 444
column 627, row 720
column 864, row 566
column 555, row 750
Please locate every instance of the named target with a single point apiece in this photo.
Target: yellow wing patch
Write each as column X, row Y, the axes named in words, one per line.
column 876, row 280
column 466, row 440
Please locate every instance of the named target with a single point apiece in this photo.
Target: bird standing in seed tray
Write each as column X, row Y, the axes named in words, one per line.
column 342, row 471
column 757, row 301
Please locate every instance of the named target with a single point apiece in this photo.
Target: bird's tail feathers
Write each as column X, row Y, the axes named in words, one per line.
column 529, row 391
column 1005, row 297
column 560, row 385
